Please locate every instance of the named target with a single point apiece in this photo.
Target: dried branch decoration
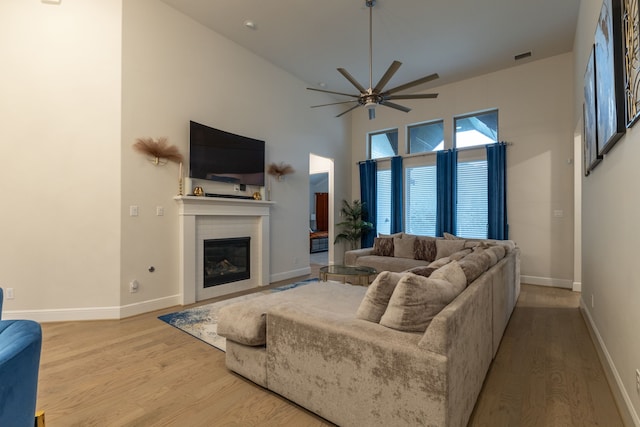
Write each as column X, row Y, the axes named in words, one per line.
column 158, row 149
column 280, row 169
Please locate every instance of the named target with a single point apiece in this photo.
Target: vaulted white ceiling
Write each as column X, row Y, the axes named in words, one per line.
column 457, row 39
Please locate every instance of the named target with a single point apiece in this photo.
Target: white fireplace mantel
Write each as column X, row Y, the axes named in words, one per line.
column 193, row 211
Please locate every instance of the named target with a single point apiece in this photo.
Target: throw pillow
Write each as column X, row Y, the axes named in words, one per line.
column 403, row 247
column 415, row 301
column 444, row 247
column 424, row 249
column 449, row 236
column 499, row 251
column 471, row 268
column 460, row 254
column 440, row 262
column 379, row 292
column 400, row 234
column 383, row 246
column 423, row 271
column 453, row 274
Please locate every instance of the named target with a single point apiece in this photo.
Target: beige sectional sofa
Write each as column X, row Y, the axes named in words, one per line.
column 313, row 345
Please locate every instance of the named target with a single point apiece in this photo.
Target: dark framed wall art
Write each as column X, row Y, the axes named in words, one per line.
column 591, row 156
column 609, row 76
column 631, row 28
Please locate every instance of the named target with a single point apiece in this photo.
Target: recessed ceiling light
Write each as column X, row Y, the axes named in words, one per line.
column 322, row 84
column 250, row 24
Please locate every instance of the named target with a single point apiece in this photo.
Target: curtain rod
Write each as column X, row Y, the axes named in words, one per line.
column 430, row 153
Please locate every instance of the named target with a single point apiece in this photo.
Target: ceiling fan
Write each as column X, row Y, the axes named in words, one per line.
column 373, row 96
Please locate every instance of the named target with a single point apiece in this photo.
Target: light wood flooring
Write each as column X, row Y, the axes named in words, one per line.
column 141, row 372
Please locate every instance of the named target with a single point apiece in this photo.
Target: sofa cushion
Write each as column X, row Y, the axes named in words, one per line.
column 376, row 299
column 403, row 247
column 245, row 321
column 424, row 249
column 383, row 263
column 383, row 246
column 416, row 300
column 444, row 248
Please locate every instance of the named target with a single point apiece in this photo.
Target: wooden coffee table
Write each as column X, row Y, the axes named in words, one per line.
column 356, row 275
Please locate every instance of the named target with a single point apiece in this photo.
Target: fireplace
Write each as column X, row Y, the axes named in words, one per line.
column 226, row 260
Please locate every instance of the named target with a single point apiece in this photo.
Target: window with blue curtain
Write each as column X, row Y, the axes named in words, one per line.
column 383, row 201
column 497, row 191
column 368, row 198
column 421, row 200
column 460, row 191
column 446, row 166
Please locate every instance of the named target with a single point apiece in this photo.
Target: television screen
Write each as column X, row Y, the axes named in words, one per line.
column 221, row 156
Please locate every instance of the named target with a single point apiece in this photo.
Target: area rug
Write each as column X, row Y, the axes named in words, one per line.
column 202, row 321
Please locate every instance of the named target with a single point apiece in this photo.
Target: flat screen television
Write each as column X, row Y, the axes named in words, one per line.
column 221, row 156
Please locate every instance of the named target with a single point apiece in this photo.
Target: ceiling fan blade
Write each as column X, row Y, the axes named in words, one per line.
column 334, row 103
column 417, row 96
column 387, row 76
column 335, row 93
column 411, row 84
column 353, row 81
column 346, row 111
column 396, row 106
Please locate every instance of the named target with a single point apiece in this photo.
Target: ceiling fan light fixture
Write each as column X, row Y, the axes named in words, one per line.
column 377, row 95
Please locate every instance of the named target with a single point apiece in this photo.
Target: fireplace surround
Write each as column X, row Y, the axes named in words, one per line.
column 206, row 218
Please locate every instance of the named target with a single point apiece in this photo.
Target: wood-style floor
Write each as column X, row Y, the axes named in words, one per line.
column 141, row 372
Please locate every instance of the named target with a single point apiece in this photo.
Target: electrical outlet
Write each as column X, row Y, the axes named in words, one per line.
column 638, row 380
column 133, row 286
column 9, row 293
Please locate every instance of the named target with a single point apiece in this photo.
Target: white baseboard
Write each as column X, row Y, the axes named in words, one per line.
column 290, row 274
column 64, row 314
column 147, row 306
column 577, row 287
column 627, row 411
column 92, row 313
column 547, row 281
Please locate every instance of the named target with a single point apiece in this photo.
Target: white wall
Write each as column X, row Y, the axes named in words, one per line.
column 610, row 212
column 81, row 81
column 535, row 114
column 176, row 70
column 60, row 142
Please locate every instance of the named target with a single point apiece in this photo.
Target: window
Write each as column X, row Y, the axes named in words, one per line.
column 426, row 137
column 383, row 201
column 383, row 144
column 421, row 201
column 472, row 216
column 476, row 129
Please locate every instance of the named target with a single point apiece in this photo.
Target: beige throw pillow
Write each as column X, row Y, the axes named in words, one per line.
column 379, row 292
column 444, row 248
column 452, row 273
column 403, row 247
column 415, row 301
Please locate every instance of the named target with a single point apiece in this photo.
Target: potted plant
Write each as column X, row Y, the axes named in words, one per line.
column 353, row 225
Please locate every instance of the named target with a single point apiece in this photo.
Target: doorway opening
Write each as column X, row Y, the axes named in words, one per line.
column 321, row 208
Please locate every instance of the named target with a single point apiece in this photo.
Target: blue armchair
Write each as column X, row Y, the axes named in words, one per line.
column 20, row 346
